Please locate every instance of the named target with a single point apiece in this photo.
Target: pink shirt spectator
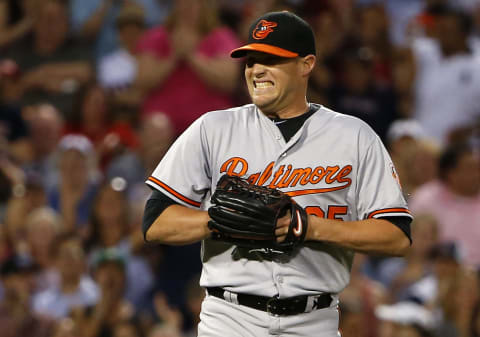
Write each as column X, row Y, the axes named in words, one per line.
column 458, row 217
column 184, row 96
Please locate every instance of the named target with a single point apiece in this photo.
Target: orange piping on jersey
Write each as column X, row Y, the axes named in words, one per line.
column 316, row 190
column 389, row 210
column 175, row 193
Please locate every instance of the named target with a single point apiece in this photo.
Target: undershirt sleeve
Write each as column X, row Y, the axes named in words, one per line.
column 155, row 205
column 402, row 222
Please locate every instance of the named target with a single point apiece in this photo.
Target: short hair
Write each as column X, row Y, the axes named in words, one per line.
column 464, row 19
column 450, row 157
column 44, row 213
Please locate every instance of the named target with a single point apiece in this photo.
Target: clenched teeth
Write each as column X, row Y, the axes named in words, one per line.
column 262, row 85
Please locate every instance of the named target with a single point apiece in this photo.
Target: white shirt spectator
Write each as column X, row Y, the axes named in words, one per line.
column 117, row 70
column 457, row 217
column 447, row 89
column 55, row 304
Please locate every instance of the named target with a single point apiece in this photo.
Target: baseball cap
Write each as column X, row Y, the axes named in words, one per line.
column 279, row 33
column 404, row 128
column 76, row 142
column 108, row 255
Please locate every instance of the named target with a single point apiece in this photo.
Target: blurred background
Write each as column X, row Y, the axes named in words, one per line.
column 93, row 93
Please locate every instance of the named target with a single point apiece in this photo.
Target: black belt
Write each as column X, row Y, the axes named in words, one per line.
column 274, row 305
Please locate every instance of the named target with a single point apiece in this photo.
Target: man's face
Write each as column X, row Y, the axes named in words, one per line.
column 465, row 178
column 450, row 34
column 273, row 82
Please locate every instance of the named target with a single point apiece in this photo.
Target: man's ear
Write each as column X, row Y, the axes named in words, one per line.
column 308, row 63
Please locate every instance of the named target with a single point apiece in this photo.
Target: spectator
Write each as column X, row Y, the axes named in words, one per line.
column 75, row 290
column 110, row 229
column 454, row 200
column 75, row 190
column 398, row 274
column 415, row 157
column 401, row 16
column 95, row 118
column 184, row 68
column 42, row 226
column 156, row 134
column 373, row 34
column 171, row 319
column 447, row 78
column 94, row 20
column 16, row 319
column 117, row 70
column 45, row 125
column 454, row 313
column 405, row 319
column 423, row 165
column 27, row 197
column 111, row 308
column 403, row 77
column 365, row 294
column 357, row 94
column 52, row 66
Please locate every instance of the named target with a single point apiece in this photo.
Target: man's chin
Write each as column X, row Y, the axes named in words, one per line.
column 262, row 103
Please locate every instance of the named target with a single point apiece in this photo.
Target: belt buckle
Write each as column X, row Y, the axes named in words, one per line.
column 271, row 306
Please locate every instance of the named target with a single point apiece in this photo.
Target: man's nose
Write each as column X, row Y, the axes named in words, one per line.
column 258, row 69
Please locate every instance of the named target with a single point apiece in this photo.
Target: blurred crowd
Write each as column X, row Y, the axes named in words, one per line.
column 93, row 93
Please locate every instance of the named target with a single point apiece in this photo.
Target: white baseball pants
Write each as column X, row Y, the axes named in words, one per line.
column 220, row 318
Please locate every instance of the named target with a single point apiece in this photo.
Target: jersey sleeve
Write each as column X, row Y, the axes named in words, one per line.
column 184, row 172
column 379, row 193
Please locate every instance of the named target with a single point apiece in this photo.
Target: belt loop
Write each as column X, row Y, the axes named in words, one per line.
column 316, row 302
column 310, row 301
column 230, row 297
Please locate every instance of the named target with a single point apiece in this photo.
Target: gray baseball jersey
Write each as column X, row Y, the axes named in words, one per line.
column 335, row 166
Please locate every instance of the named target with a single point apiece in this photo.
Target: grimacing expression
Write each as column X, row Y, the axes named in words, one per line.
column 273, row 82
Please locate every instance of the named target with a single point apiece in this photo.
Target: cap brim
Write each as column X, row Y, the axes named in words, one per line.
column 264, row 48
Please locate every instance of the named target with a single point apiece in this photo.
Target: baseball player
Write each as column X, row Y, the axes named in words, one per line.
column 282, row 193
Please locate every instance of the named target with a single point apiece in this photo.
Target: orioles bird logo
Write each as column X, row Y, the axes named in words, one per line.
column 262, row 29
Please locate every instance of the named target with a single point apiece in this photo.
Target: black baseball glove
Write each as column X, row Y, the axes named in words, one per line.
column 246, row 215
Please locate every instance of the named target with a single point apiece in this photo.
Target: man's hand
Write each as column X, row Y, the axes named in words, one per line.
column 256, row 216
